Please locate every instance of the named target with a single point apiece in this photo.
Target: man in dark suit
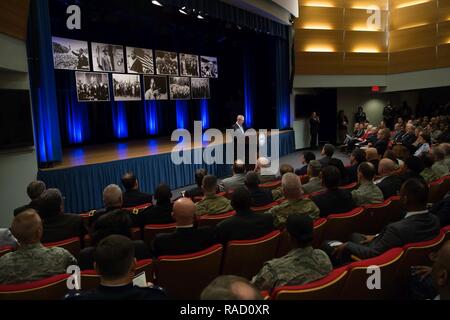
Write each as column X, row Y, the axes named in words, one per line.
column 132, row 197
column 382, row 141
column 57, row 225
column 333, row 200
column 245, row 224
column 409, row 137
column 198, row 190
column 308, row 156
column 34, row 190
column 259, row 197
column 187, row 238
column 112, row 200
column 389, row 183
column 414, row 166
column 161, row 212
column 418, row 225
column 239, row 125
column 357, row 157
column 116, row 265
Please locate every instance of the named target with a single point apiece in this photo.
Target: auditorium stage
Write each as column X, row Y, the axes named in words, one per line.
column 85, row 171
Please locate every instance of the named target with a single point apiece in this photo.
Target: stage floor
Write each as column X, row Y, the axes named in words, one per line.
column 95, row 154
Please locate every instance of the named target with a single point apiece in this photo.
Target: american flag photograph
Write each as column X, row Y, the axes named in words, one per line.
column 140, row 60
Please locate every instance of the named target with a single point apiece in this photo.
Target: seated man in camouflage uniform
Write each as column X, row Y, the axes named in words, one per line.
column 31, row 261
column 439, row 166
column 277, row 193
column 368, row 192
column 295, row 204
column 212, row 203
column 428, row 173
column 315, row 181
column 301, row 265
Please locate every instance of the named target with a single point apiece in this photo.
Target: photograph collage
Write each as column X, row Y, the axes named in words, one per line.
column 165, row 75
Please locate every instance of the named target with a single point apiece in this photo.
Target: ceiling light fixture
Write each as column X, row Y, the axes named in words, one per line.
column 157, row 3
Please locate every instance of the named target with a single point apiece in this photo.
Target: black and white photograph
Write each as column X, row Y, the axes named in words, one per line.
column 92, row 86
column 166, row 63
column 69, row 54
column 200, row 88
column 209, row 67
column 126, row 87
column 180, row 88
column 140, row 61
column 108, row 57
column 155, row 88
column 189, row 66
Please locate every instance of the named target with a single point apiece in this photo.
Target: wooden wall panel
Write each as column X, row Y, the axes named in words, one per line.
column 320, row 18
column 413, row 38
column 14, row 18
column 360, row 41
column 313, row 40
column 443, row 32
column 412, row 60
column 443, row 59
column 412, row 16
column 319, row 63
column 356, row 19
column 321, row 3
column 365, row 63
column 393, row 4
column 366, row 4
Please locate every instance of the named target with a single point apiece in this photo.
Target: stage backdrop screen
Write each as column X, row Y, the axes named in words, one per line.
column 70, row 54
column 16, row 128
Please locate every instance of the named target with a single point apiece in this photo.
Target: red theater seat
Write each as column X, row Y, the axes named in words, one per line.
column 380, row 215
column 356, row 285
column 327, row 288
column 270, row 185
column 246, row 257
column 446, row 231
column 53, row 288
column 72, row 245
column 265, row 208
column 350, row 186
column 185, row 276
column 436, row 191
column 341, row 226
column 138, row 209
column 211, row 220
column 5, row 250
column 151, row 230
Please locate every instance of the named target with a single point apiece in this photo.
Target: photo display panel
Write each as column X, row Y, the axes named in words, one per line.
column 92, row 86
column 140, row 61
column 155, row 88
column 180, row 88
column 189, row 65
column 200, row 88
column 166, row 63
column 107, row 57
column 69, row 54
column 126, row 87
column 209, row 67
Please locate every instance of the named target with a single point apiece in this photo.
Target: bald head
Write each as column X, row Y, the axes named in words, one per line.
column 184, row 211
column 240, row 119
column 291, row 185
column 27, row 227
column 112, row 196
column 386, row 167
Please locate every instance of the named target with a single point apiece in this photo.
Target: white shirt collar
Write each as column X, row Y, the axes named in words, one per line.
column 185, row 227
column 413, row 213
column 240, row 127
column 381, row 179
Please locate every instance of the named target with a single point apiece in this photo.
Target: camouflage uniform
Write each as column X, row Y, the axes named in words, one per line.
column 440, row 168
column 367, row 193
column 300, row 206
column 34, row 262
column 300, row 266
column 314, row 184
column 429, row 175
column 447, row 162
column 213, row 204
column 277, row 194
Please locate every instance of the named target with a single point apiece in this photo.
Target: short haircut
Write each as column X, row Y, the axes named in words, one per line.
column 112, row 196
column 114, row 256
column 315, row 168
column 339, row 165
column 210, row 183
column 252, row 180
column 35, row 189
column 241, row 199
column 25, row 225
column 163, row 194
column 428, row 159
column 286, row 168
column 415, row 164
column 328, row 149
column 359, row 155
column 331, row 177
column 229, row 287
column 199, row 175
column 50, row 203
column 129, row 180
column 417, row 191
column 114, row 222
column 301, row 228
column 367, row 170
column 238, row 167
column 438, row 153
column 426, row 136
column 291, row 185
column 309, row 156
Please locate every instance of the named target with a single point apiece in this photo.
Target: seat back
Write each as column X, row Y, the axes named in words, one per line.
column 270, row 185
column 265, row 208
column 136, row 233
column 380, row 215
column 357, row 284
column 211, row 220
column 137, row 209
column 151, row 230
column 4, row 250
column 349, row 187
column 436, row 191
column 52, row 288
column 341, row 226
column 446, row 231
column 185, row 276
column 445, row 187
column 246, row 257
column 72, row 245
column 327, row 288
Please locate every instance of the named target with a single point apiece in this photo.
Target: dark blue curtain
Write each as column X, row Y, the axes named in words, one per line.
column 249, row 84
column 204, row 112
column 151, row 117
column 119, row 118
column 76, row 115
column 282, row 83
column 182, row 114
column 42, row 80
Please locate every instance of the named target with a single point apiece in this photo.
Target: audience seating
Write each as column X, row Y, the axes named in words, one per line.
column 136, row 233
column 356, row 285
column 137, row 209
column 319, row 227
column 5, row 250
column 211, row 220
column 349, row 187
column 327, row 288
column 72, row 245
column 270, row 185
column 377, row 216
column 265, row 208
column 53, row 288
column 185, row 276
column 197, row 199
column 151, row 230
column 246, row 257
column 341, row 226
column 446, row 231
column 437, row 189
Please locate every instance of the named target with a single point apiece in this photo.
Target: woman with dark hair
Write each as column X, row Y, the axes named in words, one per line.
column 342, row 126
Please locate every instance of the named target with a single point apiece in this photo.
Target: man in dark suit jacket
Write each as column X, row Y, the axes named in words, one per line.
column 333, row 200
column 112, row 200
column 239, row 125
column 34, row 191
column 389, row 183
column 409, row 137
column 308, row 156
column 357, row 157
column 57, row 225
column 161, row 212
column 245, row 225
column 259, row 197
column 187, row 238
column 418, row 225
column 132, row 197
column 414, row 166
column 197, row 191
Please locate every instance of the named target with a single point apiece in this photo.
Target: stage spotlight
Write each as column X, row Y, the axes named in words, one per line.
column 157, row 3
column 199, row 16
column 182, row 10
